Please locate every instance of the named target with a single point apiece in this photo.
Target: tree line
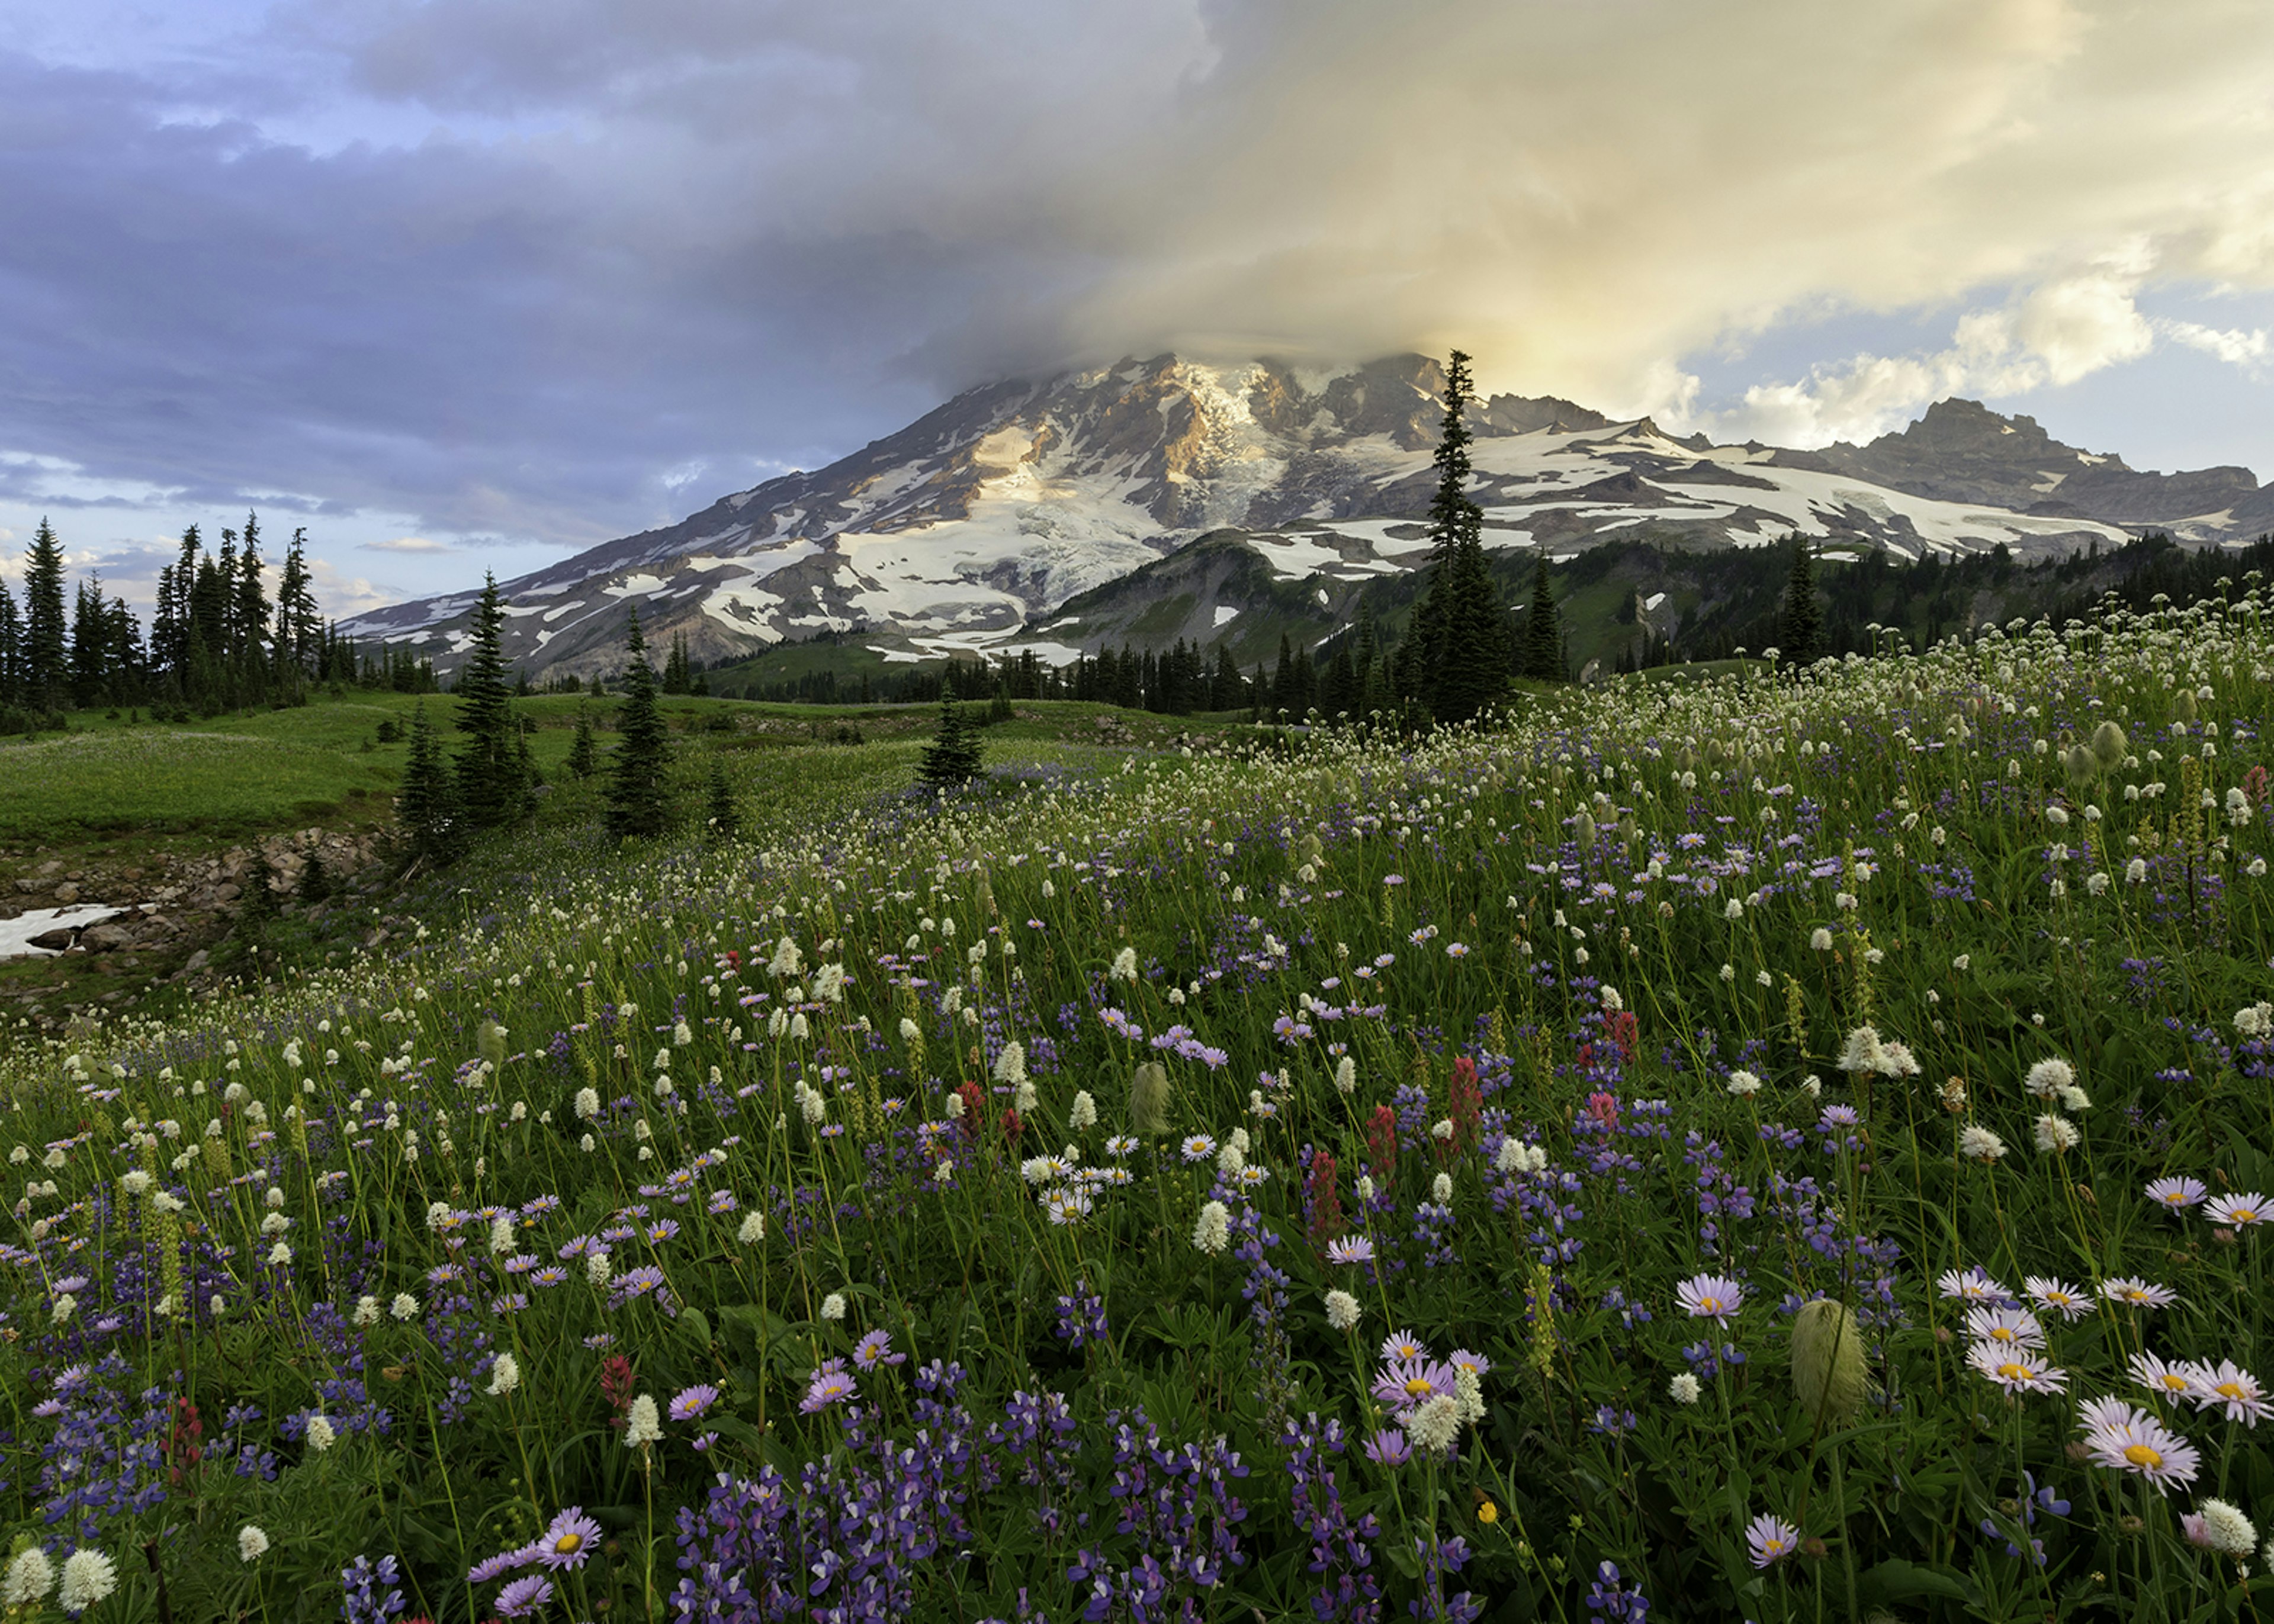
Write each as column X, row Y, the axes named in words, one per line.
column 217, row 640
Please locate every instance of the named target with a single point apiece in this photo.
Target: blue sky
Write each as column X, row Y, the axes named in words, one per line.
column 469, row 284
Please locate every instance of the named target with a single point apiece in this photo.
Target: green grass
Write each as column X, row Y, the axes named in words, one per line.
column 59, row 789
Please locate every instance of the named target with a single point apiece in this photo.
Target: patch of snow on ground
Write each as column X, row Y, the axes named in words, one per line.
column 1225, row 615
column 16, row 934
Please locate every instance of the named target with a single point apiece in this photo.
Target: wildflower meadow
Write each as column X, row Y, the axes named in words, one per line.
column 1763, row 1148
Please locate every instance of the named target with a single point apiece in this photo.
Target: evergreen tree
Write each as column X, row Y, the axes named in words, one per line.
column 491, row 788
column 427, row 809
column 90, row 645
column 1800, row 622
column 1543, row 630
column 1461, row 630
column 725, row 821
column 259, row 905
column 952, row 757
column 11, row 651
column 249, row 620
column 584, row 754
column 46, row 654
column 298, row 630
column 638, row 807
column 676, row 677
column 315, row 881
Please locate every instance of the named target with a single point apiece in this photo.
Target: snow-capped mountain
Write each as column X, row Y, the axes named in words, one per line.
column 969, row 528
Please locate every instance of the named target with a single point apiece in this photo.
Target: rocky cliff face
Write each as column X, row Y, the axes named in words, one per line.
column 973, row 525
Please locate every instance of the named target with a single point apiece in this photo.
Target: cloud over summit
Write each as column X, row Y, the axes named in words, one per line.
column 510, row 268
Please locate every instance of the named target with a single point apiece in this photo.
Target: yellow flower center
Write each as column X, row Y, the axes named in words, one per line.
column 2229, row 1390
column 2143, row 1456
column 1773, row 1546
column 1416, row 1387
column 2244, row 1214
column 2012, row 1372
column 567, row 1544
column 2173, row 1380
column 2001, row 1334
column 1709, row 1305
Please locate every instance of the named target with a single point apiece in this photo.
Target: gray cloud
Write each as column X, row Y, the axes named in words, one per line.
column 592, row 246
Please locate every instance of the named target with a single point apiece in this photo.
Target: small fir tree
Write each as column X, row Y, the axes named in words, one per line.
column 490, row 782
column 725, row 819
column 427, row 810
column 1543, row 630
column 952, row 757
column 638, row 806
column 1800, row 622
column 260, row 904
column 315, row 881
column 584, row 751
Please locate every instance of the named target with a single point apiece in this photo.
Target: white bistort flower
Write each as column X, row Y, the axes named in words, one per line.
column 505, row 1375
column 2048, row 1078
column 1342, row 1310
column 252, row 1543
column 88, row 1577
column 833, row 1306
column 644, row 1424
column 2226, row 1530
column 1212, row 1231
column 30, row 1577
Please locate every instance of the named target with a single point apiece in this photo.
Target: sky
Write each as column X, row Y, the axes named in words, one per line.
column 461, row 285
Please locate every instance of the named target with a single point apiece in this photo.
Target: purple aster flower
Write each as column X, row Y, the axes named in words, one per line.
column 568, row 1542
column 1350, row 1249
column 1711, row 1297
column 503, row 1563
column 831, row 1384
column 1406, row 1383
column 1389, row 1447
column 694, row 1401
column 1772, row 1539
column 524, row 1596
column 2177, row 1194
column 874, row 1350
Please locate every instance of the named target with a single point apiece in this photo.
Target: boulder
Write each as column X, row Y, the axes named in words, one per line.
column 106, row 938
column 55, row 940
column 67, row 892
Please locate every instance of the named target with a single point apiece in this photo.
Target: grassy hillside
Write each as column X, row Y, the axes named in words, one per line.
column 1777, row 1149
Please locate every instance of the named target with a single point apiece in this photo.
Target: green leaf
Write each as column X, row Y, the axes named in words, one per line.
column 1896, row 1580
column 695, row 1324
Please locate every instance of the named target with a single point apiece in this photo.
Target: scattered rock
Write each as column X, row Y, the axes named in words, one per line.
column 67, row 892
column 56, row 941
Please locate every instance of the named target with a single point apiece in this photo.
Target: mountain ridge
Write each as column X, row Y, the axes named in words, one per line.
column 976, row 527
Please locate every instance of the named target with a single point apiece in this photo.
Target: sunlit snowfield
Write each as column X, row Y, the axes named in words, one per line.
column 1760, row 1149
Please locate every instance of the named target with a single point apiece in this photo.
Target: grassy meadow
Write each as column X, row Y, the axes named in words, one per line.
column 1737, row 1148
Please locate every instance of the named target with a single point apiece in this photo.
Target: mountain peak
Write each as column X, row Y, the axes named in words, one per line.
column 990, row 512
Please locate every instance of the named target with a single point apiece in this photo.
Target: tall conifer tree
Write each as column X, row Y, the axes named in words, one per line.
column 1800, row 621
column 1543, row 630
column 638, row 805
column 490, row 781
column 1462, row 657
column 47, row 646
